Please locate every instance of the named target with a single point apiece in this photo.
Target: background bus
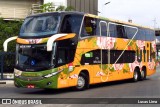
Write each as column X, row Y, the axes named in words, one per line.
column 65, row 49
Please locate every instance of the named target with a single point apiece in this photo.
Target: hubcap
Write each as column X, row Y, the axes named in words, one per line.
column 142, row 74
column 135, row 75
column 81, row 82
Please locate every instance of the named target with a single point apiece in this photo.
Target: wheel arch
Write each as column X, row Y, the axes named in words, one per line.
column 86, row 72
column 144, row 68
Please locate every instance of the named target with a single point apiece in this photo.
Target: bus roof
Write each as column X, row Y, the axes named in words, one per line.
column 94, row 16
column 118, row 21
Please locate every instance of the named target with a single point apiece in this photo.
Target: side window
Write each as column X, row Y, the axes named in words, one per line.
column 64, row 52
column 140, row 34
column 112, row 30
column 95, row 57
column 62, row 55
column 150, row 35
column 103, row 28
column 130, row 32
column 90, row 27
column 121, row 32
column 71, row 24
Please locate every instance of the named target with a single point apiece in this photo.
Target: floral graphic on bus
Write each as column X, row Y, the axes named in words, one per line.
column 100, row 73
column 118, row 67
column 73, row 76
column 140, row 44
column 133, row 65
column 106, row 42
column 154, row 45
column 151, row 65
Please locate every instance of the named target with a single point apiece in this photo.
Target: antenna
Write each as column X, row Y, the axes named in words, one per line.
column 154, row 23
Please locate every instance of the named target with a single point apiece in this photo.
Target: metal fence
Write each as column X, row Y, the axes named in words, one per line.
column 7, row 63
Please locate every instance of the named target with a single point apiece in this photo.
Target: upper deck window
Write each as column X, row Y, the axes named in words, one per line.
column 40, row 25
column 90, row 27
column 71, row 23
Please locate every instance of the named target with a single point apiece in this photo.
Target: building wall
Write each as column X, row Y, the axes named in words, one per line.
column 87, row 6
column 16, row 9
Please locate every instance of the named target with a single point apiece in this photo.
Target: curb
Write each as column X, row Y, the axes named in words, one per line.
column 6, row 82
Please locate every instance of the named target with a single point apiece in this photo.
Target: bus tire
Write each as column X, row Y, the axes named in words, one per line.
column 143, row 74
column 135, row 75
column 83, row 82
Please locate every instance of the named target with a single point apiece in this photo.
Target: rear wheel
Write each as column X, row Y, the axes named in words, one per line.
column 82, row 82
column 135, row 76
column 143, row 74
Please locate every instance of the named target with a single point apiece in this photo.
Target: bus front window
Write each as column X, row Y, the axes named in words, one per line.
column 33, row 57
column 40, row 26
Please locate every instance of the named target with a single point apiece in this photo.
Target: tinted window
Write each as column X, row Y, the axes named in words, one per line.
column 65, row 52
column 121, row 31
column 150, row 35
column 94, row 57
column 141, row 34
column 103, row 28
column 112, row 30
column 130, row 32
column 71, row 24
column 90, row 27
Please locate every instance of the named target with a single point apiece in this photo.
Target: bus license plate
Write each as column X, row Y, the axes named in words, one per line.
column 30, row 86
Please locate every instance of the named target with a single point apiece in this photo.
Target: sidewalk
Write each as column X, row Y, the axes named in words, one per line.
column 6, row 82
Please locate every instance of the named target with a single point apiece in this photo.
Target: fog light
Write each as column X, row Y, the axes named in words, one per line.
column 49, row 83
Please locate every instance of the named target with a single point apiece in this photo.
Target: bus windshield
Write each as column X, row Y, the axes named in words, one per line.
column 40, row 25
column 33, row 57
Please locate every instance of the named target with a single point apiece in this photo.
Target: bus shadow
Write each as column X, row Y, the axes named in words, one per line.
column 49, row 91
column 71, row 89
column 115, row 83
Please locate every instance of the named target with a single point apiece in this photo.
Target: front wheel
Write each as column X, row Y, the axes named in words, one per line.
column 82, row 82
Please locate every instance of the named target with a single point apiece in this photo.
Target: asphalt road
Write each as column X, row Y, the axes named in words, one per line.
column 149, row 88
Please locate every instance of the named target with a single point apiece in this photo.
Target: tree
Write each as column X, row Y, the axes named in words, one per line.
column 63, row 8
column 70, row 8
column 9, row 29
column 49, row 7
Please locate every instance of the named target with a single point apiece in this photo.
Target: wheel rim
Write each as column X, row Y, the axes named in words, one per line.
column 142, row 74
column 135, row 75
column 81, row 82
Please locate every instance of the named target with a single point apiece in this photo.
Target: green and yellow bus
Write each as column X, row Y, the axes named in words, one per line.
column 74, row 49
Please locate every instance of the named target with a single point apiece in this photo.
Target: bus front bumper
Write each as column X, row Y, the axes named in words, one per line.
column 35, row 82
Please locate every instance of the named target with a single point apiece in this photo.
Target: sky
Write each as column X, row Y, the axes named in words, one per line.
column 142, row 12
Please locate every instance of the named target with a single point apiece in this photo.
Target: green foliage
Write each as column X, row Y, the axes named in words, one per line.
column 9, row 29
column 60, row 8
column 49, row 7
column 63, row 8
column 70, row 8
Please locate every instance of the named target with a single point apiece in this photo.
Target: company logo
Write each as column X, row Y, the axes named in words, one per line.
column 6, row 101
column 34, row 41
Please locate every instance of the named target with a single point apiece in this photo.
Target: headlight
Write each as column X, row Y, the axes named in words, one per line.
column 17, row 72
column 52, row 74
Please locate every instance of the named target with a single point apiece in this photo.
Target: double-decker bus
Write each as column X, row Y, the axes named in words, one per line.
column 74, row 49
